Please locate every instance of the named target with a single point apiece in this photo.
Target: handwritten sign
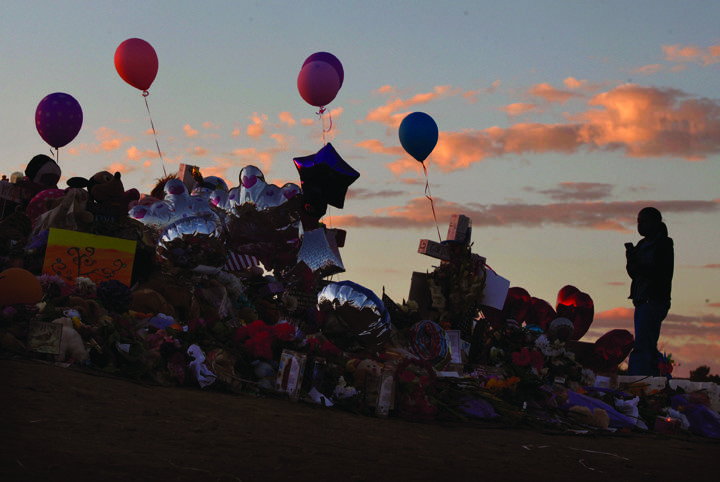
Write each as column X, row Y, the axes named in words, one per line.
column 72, row 254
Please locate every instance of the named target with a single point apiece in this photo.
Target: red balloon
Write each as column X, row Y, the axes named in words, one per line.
column 578, row 307
column 329, row 58
column 584, row 312
column 517, row 304
column 318, row 83
column 610, row 350
column 137, row 63
column 541, row 313
column 58, row 119
column 564, row 294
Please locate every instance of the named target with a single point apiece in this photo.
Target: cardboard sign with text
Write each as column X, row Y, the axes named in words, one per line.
column 72, row 254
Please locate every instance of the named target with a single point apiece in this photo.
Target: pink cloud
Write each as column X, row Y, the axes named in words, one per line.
column 197, row 151
column 613, row 216
column 286, row 118
column 189, row 131
column 235, row 132
column 616, row 314
column 472, row 95
column 712, row 266
column 385, row 89
column 583, row 191
column 648, row 69
column 135, row 154
column 110, row 139
column 388, row 113
column 519, row 108
column 256, row 128
column 360, row 193
column 573, row 83
column 643, row 122
column 119, row 167
column 692, row 53
column 550, row 94
column 210, row 125
column 376, row 146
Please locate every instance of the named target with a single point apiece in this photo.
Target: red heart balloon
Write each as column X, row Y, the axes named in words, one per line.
column 610, row 350
column 517, row 304
column 563, row 297
column 541, row 313
column 578, row 307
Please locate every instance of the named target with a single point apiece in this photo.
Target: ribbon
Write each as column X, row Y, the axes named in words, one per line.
column 322, row 123
column 145, row 95
column 432, row 203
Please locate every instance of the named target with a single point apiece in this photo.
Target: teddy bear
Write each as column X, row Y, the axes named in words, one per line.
column 149, row 301
column 361, row 370
column 108, row 198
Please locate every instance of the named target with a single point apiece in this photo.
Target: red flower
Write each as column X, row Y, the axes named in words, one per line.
column 537, row 360
column 666, row 368
column 407, row 376
column 284, row 331
column 328, row 348
column 312, row 344
column 241, row 334
column 521, row 358
column 256, row 327
column 260, row 346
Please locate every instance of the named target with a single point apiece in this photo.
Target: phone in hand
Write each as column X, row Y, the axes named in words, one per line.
column 628, row 245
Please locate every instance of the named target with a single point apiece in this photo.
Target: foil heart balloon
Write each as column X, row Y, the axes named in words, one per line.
column 187, row 232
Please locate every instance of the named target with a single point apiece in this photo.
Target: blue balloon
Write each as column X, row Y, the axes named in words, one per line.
column 418, row 135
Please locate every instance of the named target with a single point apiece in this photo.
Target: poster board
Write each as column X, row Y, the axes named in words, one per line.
column 72, row 254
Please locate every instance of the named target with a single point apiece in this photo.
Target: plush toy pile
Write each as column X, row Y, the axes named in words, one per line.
column 231, row 289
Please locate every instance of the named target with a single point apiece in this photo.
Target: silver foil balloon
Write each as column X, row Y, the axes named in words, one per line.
column 319, row 250
column 188, row 232
column 360, row 322
column 261, row 219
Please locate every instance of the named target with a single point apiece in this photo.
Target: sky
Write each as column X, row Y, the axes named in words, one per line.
column 558, row 122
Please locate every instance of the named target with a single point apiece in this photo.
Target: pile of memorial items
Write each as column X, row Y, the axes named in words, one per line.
column 231, row 289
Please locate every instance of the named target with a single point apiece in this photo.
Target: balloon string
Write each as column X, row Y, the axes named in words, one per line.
column 432, row 203
column 152, row 124
column 322, row 122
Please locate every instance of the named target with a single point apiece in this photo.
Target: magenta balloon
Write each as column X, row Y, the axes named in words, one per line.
column 318, row 83
column 58, row 119
column 328, row 58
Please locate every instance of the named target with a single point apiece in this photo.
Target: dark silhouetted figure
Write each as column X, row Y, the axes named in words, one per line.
column 650, row 264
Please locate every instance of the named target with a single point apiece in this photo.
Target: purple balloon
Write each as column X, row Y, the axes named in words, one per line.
column 328, row 58
column 58, row 119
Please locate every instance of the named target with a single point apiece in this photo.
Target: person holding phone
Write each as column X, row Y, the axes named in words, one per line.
column 650, row 265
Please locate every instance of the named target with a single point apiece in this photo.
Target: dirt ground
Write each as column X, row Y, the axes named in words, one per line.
column 69, row 424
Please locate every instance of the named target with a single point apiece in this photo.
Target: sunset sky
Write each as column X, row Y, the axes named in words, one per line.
column 558, row 122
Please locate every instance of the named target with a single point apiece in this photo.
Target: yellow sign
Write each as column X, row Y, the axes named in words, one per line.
column 72, row 254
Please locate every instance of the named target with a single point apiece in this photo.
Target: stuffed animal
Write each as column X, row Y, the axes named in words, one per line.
column 72, row 346
column 89, row 310
column 67, row 212
column 179, row 296
column 41, row 173
column 108, row 197
column 361, row 369
column 149, row 301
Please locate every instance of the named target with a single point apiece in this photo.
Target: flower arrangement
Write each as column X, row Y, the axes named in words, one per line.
column 666, row 365
column 416, row 387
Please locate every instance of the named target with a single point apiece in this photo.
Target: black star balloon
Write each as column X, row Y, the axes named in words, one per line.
column 325, row 177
